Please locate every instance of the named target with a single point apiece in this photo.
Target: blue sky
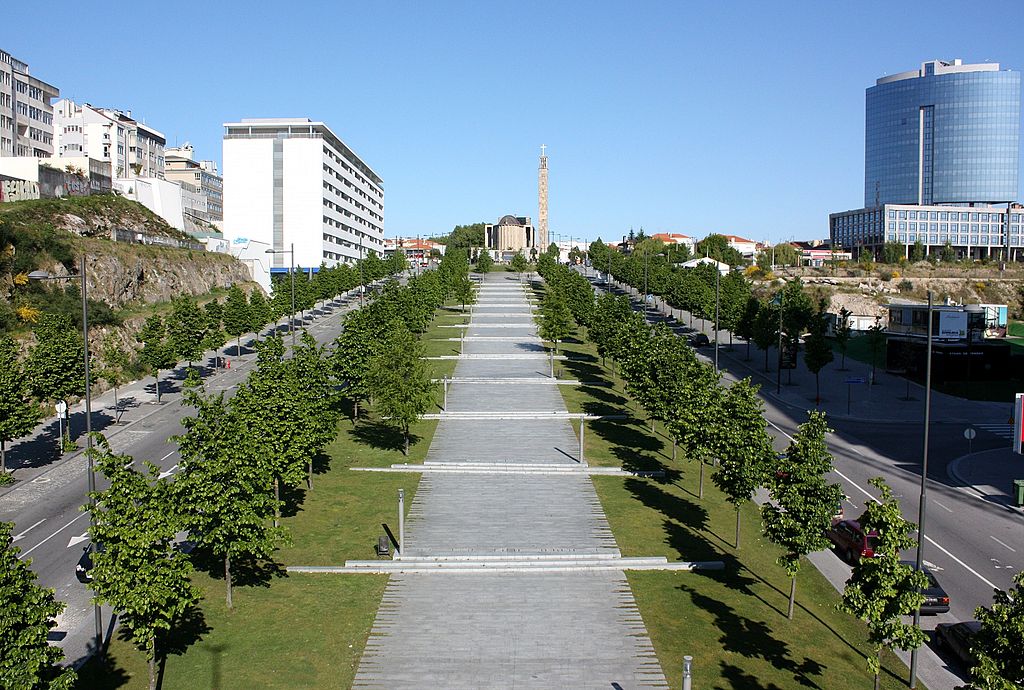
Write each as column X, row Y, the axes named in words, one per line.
column 696, row 117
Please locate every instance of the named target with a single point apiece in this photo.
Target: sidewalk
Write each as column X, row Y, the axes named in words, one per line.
column 990, row 474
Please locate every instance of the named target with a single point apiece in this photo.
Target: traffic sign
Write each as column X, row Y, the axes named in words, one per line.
column 61, row 407
column 970, row 433
column 855, row 379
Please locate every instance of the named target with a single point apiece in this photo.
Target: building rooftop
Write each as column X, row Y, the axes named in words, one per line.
column 939, row 67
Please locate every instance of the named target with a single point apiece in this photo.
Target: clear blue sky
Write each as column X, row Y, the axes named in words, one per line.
column 694, row 117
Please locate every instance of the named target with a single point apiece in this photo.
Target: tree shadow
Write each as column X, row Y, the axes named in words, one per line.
column 381, row 436
column 187, row 630
column 321, row 463
column 292, row 498
column 245, row 572
column 100, row 671
column 754, row 640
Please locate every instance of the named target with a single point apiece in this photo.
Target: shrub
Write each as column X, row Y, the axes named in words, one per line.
column 905, row 286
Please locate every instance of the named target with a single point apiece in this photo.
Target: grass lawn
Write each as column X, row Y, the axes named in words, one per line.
column 733, row 622
column 298, row 631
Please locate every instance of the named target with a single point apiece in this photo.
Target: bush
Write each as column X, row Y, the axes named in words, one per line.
column 905, row 286
column 887, row 275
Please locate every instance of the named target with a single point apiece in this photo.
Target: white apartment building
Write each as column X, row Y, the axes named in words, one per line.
column 180, row 166
column 26, row 116
column 292, row 180
column 132, row 148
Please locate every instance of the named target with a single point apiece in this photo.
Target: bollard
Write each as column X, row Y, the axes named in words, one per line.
column 583, row 424
column 687, row 672
column 445, row 408
column 401, row 522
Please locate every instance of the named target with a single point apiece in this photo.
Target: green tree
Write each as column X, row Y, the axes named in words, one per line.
column 186, row 328
column 464, row 236
column 215, row 335
column 312, row 372
column 228, row 495
column 553, row 251
column 27, row 611
column 917, row 251
column 138, row 572
column 766, row 328
column 745, row 449
column 819, row 351
column 948, row 253
column 354, row 349
column 734, row 294
column 802, row 502
column 18, row 414
column 401, row 381
column 555, row 319
column 717, row 247
column 157, row 351
column 997, row 646
column 484, row 262
column 464, row 292
column 697, row 419
column 876, row 341
column 883, row 590
column 114, row 368
column 843, row 332
column 893, row 253
column 56, row 365
column 238, row 316
column 518, row 264
column 259, row 312
column 745, row 325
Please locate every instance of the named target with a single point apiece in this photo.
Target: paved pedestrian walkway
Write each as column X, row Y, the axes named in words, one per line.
column 579, row 628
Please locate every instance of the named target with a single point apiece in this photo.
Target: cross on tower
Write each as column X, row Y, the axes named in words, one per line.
column 542, row 149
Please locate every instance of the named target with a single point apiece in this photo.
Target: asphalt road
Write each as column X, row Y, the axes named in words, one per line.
column 972, row 545
column 45, row 504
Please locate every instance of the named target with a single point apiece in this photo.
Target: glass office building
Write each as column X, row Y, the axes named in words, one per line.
column 948, row 133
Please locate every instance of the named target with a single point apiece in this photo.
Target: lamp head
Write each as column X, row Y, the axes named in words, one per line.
column 39, row 275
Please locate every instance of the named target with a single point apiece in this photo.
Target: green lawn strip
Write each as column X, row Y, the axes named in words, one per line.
column 303, row 630
column 733, row 622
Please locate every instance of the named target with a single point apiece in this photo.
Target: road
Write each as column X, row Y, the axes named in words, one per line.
column 44, row 504
column 972, row 545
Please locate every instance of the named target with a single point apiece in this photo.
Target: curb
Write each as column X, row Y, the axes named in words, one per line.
column 953, row 472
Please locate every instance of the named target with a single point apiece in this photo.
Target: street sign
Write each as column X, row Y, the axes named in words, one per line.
column 855, row 379
column 61, row 407
column 788, row 359
column 970, row 433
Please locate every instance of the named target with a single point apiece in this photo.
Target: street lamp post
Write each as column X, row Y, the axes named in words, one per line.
column 718, row 275
column 291, row 272
column 782, row 308
column 922, row 505
column 91, row 472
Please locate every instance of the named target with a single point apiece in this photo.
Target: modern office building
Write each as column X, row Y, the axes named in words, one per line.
column 26, row 113
column 941, row 163
column 293, row 180
column 132, row 148
column 948, row 133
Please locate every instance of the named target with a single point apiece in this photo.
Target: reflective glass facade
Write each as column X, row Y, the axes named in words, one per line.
column 942, row 138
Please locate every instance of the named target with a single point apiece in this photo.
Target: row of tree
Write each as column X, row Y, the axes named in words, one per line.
column 725, row 426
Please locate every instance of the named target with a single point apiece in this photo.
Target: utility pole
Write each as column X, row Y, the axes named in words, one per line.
column 922, row 504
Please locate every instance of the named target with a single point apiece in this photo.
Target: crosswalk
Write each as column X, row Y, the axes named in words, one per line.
column 1001, row 430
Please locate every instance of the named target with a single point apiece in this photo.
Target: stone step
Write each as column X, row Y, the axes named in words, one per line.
column 510, row 355
column 522, row 380
column 494, row 339
column 478, row 566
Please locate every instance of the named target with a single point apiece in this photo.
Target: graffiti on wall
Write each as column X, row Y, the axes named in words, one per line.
column 18, row 190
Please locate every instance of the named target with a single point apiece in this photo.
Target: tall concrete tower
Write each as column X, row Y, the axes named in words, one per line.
column 542, row 203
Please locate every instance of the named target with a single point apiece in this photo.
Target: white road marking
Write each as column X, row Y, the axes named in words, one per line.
column 84, row 536
column 168, row 473
column 931, row 566
column 167, row 456
column 25, row 553
column 1002, row 543
column 926, row 537
column 949, row 510
column 16, row 537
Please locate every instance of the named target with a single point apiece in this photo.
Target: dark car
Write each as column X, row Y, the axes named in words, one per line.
column 84, row 565
column 850, row 541
column 956, row 639
column 699, row 339
column 935, row 598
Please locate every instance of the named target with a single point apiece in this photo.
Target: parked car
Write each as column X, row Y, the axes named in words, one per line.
column 850, row 541
column 935, row 598
column 956, row 639
column 699, row 339
column 84, row 565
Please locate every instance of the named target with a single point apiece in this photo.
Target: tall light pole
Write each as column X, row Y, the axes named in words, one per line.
column 782, row 308
column 922, row 505
column 91, row 473
column 361, row 286
column 291, row 272
column 718, row 275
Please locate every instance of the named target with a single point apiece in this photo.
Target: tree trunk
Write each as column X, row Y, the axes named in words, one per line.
column 227, row 576
column 309, row 479
column 879, row 673
column 117, row 405
column 652, row 425
column 355, row 411
column 748, row 350
column 157, row 376
column 792, row 596
column 844, row 360
column 700, row 486
column 238, row 346
column 152, row 669
column 737, row 528
column 3, row 456
column 407, row 442
column 277, row 502
column 675, row 444
column 766, row 360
